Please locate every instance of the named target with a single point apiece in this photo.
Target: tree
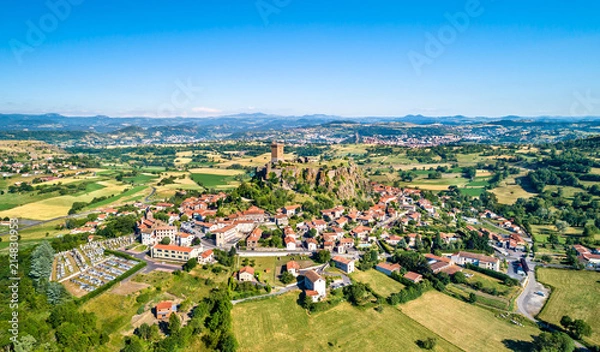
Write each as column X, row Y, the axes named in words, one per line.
column 190, row 265
column 287, row 278
column 553, row 342
column 561, row 226
column 133, row 344
column 566, row 321
column 577, row 328
column 166, row 241
column 459, row 278
column 580, row 328
column 323, row 256
column 355, row 293
column 427, row 344
column 472, row 298
column 174, row 324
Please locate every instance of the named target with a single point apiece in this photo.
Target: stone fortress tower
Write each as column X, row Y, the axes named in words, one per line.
column 276, row 152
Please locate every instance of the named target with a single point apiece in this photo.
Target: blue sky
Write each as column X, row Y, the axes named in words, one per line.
column 350, row 58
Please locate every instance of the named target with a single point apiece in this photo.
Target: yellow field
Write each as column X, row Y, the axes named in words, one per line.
column 183, row 158
column 59, row 206
column 279, row 324
column 509, row 191
column 469, row 327
column 379, row 282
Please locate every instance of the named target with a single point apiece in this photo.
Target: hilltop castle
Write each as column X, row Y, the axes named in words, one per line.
column 276, row 152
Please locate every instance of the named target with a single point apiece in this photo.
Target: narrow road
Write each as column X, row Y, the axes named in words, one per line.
column 147, row 199
column 151, row 265
column 33, row 223
column 272, row 294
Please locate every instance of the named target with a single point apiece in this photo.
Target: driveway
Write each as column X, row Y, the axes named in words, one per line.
column 529, row 302
column 272, row 294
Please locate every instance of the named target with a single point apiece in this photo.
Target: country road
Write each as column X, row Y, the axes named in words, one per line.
column 41, row 222
column 32, row 223
column 272, row 294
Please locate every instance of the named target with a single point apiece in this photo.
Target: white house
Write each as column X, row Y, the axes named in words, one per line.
column 290, row 243
column 315, row 286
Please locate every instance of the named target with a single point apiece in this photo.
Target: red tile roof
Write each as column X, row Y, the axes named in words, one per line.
column 292, row 265
column 166, row 305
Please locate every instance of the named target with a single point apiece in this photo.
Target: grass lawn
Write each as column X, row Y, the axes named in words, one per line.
column 576, row 294
column 269, row 268
column 279, row 324
column 380, row 283
column 470, row 327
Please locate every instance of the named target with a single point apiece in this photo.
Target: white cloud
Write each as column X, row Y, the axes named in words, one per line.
column 205, row 110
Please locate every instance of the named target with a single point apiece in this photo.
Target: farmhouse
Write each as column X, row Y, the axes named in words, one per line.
column 293, row 267
column 480, row 260
column 246, row 273
column 315, row 286
column 345, row 264
column 388, row 268
column 164, row 310
column 414, row 277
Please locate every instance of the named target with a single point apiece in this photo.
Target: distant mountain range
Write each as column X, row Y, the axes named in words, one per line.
column 241, row 122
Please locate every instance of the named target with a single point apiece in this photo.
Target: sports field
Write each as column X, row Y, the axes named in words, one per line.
column 576, row 294
column 470, row 327
column 379, row 282
column 280, row 324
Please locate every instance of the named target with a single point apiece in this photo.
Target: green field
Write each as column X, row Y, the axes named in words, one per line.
column 213, row 181
column 470, row 327
column 140, row 179
column 280, row 324
column 379, row 282
column 574, row 293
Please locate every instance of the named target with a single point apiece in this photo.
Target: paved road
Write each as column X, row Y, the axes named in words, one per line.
column 151, row 264
column 529, row 303
column 147, row 199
